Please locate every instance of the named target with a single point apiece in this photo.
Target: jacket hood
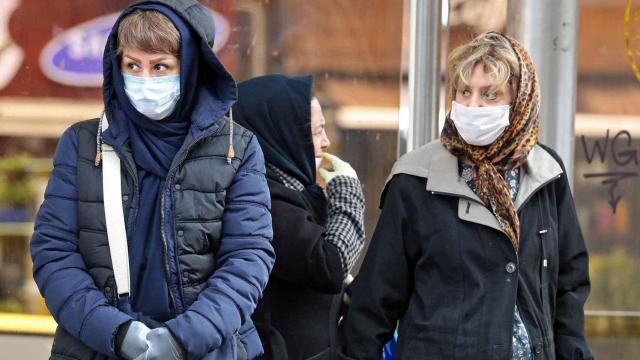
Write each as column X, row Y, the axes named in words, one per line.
column 210, row 92
column 277, row 109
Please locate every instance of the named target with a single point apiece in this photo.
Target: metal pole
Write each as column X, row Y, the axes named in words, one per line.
column 419, row 124
column 549, row 30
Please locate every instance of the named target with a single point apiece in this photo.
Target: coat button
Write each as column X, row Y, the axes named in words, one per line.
column 510, row 267
column 537, row 348
column 185, row 275
column 125, row 198
column 177, row 187
column 107, row 289
column 180, row 232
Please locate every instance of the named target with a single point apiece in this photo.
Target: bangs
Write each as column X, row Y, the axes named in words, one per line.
column 148, row 31
column 496, row 55
column 498, row 71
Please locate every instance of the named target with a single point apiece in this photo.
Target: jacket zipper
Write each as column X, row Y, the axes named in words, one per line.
column 183, row 156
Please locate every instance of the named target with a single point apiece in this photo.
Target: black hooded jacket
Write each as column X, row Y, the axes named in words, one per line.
column 293, row 316
column 440, row 264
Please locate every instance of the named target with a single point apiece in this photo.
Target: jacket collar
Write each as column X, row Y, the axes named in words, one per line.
column 436, row 164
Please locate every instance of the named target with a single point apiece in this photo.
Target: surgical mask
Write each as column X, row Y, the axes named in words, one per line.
column 155, row 97
column 318, row 161
column 479, row 126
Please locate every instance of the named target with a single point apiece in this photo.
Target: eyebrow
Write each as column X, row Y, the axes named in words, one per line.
column 152, row 61
column 483, row 88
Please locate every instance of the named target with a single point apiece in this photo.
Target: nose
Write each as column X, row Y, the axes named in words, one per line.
column 325, row 142
column 475, row 101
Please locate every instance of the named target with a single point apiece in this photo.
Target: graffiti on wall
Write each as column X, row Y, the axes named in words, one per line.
column 619, row 149
column 632, row 36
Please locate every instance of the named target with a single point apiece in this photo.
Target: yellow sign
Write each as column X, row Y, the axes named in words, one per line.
column 632, row 35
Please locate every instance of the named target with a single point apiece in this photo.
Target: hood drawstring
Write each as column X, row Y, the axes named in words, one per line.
column 231, row 153
column 99, row 142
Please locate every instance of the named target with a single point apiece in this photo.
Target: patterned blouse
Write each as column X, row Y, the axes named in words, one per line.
column 520, row 346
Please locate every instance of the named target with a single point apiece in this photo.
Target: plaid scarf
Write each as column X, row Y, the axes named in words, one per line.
column 508, row 152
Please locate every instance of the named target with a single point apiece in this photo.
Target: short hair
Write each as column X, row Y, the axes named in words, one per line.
column 494, row 52
column 148, row 31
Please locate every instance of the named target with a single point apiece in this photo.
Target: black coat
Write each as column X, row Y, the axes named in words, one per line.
column 441, row 265
column 307, row 274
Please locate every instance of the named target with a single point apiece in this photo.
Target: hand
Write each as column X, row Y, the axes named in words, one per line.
column 162, row 346
column 135, row 340
column 340, row 168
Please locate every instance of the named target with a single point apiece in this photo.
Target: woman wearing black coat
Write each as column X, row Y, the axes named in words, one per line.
column 318, row 233
column 478, row 252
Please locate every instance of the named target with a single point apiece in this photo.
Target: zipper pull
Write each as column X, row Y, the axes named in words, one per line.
column 544, row 261
column 230, row 153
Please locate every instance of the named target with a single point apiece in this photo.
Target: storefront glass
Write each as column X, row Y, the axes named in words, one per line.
column 50, row 77
column 606, row 177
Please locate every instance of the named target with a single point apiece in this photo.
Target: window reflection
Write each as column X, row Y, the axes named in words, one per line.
column 50, row 77
column 50, row 58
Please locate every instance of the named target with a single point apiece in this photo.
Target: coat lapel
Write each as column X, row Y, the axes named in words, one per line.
column 440, row 168
column 445, row 179
column 546, row 169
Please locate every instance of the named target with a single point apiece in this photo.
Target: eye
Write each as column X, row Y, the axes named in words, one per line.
column 161, row 67
column 491, row 95
column 133, row 66
column 466, row 93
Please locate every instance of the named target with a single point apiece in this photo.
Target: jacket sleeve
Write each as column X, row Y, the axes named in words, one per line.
column 244, row 260
column 380, row 292
column 314, row 256
column 305, row 259
column 345, row 227
column 58, row 269
column 573, row 279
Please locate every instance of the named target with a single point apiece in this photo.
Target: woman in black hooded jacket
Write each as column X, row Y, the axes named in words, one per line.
column 318, row 233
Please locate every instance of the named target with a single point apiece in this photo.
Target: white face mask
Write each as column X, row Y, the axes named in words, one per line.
column 479, row 126
column 155, row 97
column 318, row 161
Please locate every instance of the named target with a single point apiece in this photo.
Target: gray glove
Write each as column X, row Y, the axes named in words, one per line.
column 135, row 340
column 162, row 346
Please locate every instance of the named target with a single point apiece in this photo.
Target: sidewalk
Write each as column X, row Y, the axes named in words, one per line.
column 25, row 347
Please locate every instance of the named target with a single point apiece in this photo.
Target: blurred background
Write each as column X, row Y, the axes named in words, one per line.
column 361, row 53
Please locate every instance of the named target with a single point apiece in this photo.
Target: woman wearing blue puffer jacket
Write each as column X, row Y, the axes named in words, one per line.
column 195, row 199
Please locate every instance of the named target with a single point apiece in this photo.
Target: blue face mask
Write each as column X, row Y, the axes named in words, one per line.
column 155, row 97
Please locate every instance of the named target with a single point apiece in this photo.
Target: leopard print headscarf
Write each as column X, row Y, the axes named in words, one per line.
column 508, row 152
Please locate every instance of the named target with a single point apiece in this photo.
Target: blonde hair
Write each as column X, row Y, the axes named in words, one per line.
column 494, row 52
column 148, row 31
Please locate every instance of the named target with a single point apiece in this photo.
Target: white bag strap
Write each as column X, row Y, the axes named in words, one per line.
column 114, row 215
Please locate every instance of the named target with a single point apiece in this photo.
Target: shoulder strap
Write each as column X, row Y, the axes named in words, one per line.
column 114, row 214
